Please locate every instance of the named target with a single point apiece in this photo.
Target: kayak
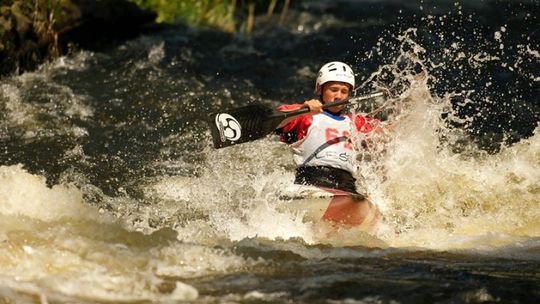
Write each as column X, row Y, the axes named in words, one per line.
column 337, row 207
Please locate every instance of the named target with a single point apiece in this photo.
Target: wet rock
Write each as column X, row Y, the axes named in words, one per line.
column 105, row 21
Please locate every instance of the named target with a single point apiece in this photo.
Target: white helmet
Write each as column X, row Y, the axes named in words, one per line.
column 335, row 71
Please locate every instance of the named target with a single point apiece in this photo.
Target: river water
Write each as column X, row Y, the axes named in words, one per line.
column 111, row 192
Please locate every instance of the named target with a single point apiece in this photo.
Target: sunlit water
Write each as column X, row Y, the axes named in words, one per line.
column 110, row 190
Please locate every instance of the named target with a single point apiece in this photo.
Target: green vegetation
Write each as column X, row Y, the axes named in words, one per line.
column 227, row 15
column 43, row 19
column 30, row 30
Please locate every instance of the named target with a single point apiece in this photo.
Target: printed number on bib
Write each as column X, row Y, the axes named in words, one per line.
column 332, row 136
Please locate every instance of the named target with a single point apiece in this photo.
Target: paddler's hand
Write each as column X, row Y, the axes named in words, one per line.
column 315, row 106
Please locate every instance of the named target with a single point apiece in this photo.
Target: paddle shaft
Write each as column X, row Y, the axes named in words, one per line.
column 328, row 105
column 252, row 122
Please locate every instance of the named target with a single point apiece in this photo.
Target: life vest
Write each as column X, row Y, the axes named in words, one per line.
column 323, row 139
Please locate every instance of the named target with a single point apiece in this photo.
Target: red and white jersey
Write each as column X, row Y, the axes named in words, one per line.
column 323, row 139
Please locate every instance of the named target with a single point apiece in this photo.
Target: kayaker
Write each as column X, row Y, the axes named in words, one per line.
column 320, row 140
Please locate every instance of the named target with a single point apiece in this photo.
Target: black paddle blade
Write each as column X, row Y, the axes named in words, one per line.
column 243, row 124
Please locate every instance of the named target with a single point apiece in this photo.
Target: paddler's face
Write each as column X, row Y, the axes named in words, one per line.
column 333, row 91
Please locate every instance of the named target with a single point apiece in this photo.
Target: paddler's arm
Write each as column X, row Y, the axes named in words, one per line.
column 315, row 107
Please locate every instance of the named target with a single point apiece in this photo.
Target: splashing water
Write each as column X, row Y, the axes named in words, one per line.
column 434, row 194
column 64, row 248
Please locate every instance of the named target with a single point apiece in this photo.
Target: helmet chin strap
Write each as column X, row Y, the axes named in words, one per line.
column 333, row 113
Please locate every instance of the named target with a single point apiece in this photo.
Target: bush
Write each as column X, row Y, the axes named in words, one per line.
column 222, row 14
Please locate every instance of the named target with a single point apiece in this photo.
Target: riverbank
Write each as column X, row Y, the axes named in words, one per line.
column 32, row 32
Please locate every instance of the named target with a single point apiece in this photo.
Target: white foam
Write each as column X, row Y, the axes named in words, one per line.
column 25, row 194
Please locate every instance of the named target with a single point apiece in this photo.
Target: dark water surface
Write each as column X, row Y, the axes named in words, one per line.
column 110, row 190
